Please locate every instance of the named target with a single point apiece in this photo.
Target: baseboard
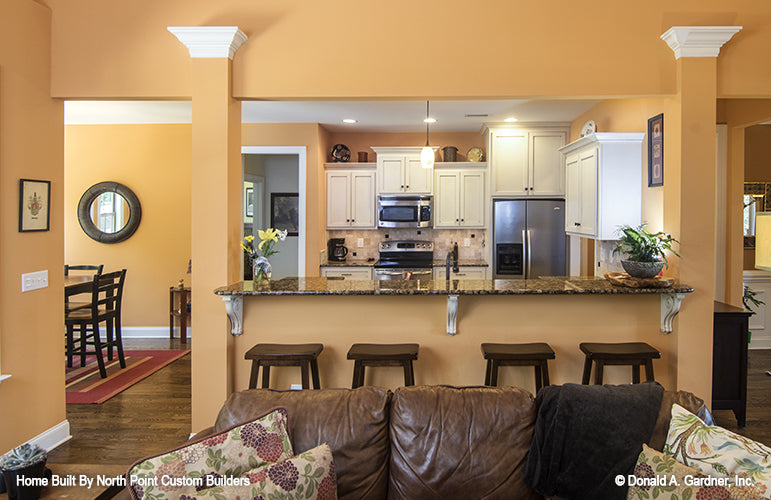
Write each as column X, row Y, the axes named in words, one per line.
column 147, row 332
column 53, row 437
column 760, row 343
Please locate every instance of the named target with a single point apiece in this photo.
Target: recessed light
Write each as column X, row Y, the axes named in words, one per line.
column 349, row 120
column 510, row 119
column 430, row 120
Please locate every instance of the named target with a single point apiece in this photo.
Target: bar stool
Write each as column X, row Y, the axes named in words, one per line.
column 382, row 355
column 634, row 354
column 267, row 355
column 535, row 354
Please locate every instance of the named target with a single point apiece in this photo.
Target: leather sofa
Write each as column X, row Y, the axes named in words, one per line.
column 422, row 441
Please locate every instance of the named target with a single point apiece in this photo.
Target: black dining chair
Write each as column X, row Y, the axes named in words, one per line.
column 72, row 305
column 106, row 303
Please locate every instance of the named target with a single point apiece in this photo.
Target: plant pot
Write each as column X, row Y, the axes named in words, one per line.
column 36, row 470
column 642, row 269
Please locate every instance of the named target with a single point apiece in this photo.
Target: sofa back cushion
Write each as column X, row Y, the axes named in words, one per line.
column 685, row 399
column 353, row 422
column 471, row 442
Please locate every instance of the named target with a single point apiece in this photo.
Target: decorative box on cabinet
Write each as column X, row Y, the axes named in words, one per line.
column 459, row 200
column 604, row 184
column 526, row 162
column 350, row 198
column 729, row 360
column 400, row 171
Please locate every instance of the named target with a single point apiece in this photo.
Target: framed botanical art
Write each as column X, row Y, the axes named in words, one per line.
column 284, row 212
column 656, row 151
column 34, row 205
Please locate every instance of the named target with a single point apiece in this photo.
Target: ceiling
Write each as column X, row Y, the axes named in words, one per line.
column 370, row 116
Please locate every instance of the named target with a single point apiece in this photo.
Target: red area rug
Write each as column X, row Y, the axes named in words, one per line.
column 85, row 386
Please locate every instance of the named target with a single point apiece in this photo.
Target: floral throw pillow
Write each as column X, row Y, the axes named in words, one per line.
column 212, row 460
column 718, row 452
column 660, row 477
column 309, row 475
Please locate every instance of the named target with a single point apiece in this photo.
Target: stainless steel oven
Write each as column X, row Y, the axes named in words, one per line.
column 404, row 211
column 405, row 260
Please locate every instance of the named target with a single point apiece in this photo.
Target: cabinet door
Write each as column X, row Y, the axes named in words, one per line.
column 392, row 175
column 417, row 179
column 363, row 199
column 573, row 194
column 464, row 273
column 547, row 177
column 338, row 199
column 446, row 207
column 472, row 199
column 508, row 163
column 588, row 162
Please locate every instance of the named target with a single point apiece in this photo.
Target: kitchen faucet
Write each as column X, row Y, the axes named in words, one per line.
column 452, row 256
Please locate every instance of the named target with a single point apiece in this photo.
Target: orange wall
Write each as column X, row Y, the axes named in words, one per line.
column 154, row 162
column 31, row 144
column 449, row 48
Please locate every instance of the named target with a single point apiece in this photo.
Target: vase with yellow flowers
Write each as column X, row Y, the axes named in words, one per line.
column 261, row 268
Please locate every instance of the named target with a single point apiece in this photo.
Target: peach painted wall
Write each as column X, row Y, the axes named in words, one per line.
column 154, row 162
column 403, row 48
column 31, row 145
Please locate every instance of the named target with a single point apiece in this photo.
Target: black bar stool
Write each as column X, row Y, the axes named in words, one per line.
column 382, row 355
column 635, row 354
column 267, row 355
column 535, row 354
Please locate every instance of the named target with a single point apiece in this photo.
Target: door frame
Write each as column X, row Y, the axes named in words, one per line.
column 301, row 153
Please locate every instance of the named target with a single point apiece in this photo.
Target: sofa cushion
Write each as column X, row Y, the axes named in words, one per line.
column 686, row 400
column 353, row 422
column 449, row 442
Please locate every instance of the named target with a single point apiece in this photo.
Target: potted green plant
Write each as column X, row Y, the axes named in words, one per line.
column 646, row 251
column 29, row 461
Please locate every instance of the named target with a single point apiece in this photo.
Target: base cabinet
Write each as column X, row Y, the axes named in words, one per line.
column 729, row 360
column 464, row 273
column 347, row 273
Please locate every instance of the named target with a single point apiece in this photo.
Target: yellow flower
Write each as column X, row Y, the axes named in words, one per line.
column 267, row 235
column 249, row 238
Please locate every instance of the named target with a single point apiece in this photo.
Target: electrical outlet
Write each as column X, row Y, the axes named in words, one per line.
column 34, row 281
column 360, row 243
column 296, row 387
column 466, row 242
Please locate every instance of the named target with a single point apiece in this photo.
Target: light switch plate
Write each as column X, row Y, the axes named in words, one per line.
column 466, row 242
column 34, row 281
column 360, row 243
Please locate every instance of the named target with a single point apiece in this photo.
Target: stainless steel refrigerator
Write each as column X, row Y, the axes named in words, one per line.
column 529, row 238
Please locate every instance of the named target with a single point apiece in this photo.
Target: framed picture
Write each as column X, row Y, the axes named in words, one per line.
column 656, row 151
column 284, row 212
column 249, row 200
column 34, row 205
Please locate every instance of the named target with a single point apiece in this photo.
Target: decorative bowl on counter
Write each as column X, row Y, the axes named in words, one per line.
column 642, row 269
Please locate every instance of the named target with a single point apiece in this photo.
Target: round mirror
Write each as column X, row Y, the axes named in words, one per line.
column 109, row 212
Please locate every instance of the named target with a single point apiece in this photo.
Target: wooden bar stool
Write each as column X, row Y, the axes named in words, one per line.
column 267, row 355
column 635, row 354
column 535, row 354
column 382, row 355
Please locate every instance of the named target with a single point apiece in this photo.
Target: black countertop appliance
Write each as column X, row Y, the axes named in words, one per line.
column 336, row 250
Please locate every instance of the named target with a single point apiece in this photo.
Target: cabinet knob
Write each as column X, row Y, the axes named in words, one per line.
column 577, row 223
column 462, row 220
column 347, row 220
column 456, row 220
column 402, row 186
column 353, row 220
column 408, row 186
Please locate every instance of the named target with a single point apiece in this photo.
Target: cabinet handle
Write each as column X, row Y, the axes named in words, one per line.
column 577, row 223
column 346, row 274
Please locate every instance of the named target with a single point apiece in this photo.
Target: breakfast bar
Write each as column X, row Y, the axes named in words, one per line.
column 450, row 320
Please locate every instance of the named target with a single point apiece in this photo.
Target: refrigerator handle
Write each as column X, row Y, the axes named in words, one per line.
column 529, row 255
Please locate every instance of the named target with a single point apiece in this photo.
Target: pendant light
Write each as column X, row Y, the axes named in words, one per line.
column 427, row 153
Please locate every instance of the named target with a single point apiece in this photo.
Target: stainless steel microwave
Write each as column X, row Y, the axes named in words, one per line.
column 404, row 211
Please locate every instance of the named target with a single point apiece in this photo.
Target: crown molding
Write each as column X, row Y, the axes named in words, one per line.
column 209, row 41
column 698, row 41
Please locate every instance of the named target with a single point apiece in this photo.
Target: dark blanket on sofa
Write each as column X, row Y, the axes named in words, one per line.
column 586, row 435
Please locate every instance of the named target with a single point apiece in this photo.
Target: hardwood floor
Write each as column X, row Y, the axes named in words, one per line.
column 149, row 417
column 154, row 415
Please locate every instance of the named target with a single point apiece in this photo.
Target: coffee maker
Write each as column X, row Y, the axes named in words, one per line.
column 336, row 250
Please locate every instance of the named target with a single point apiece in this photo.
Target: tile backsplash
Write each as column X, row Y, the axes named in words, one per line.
column 442, row 238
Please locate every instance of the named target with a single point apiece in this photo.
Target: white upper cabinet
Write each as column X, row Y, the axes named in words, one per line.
column 460, row 198
column 400, row 171
column 350, row 198
column 604, row 184
column 527, row 162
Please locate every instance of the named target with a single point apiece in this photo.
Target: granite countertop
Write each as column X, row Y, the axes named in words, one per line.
column 549, row 285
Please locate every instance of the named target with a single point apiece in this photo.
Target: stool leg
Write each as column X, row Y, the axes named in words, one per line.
column 649, row 370
column 315, row 374
column 357, row 367
column 409, row 375
column 265, row 376
column 635, row 374
column 304, row 374
column 587, row 371
column 545, row 372
column 494, row 373
column 255, row 374
column 599, row 365
column 488, row 369
column 538, row 383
